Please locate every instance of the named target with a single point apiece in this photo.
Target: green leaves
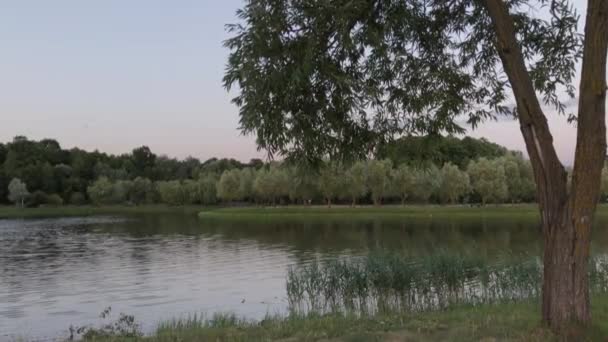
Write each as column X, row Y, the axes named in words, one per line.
column 336, row 78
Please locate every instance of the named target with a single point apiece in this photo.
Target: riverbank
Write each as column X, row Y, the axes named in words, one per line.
column 365, row 212
column 508, row 321
column 12, row 212
column 294, row 211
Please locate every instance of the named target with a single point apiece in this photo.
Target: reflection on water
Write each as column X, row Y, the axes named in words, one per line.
column 58, row 272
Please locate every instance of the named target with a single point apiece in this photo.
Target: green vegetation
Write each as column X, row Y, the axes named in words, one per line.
column 42, row 173
column 384, row 282
column 512, row 321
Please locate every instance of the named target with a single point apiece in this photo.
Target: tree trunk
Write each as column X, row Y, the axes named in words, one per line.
column 354, row 203
column 565, row 292
column 329, row 202
column 566, row 216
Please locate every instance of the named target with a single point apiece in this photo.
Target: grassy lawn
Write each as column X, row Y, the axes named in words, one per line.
column 500, row 322
column 64, row 211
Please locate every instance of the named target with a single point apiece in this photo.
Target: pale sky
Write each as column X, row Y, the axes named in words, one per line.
column 117, row 74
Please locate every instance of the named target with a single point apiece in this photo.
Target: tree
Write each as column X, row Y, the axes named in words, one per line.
column 172, row 192
column 426, row 183
column 519, row 178
column 403, row 182
column 414, row 66
column 142, row 191
column 454, row 183
column 488, row 179
column 101, row 191
column 303, row 185
column 207, row 187
column 330, row 182
column 229, row 185
column 17, row 192
column 262, row 185
column 379, row 179
column 246, row 179
column 356, row 181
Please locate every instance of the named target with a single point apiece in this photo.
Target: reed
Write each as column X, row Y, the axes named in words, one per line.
column 384, row 282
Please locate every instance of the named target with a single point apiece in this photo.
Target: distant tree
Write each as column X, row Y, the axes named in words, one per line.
column 379, row 179
column 356, row 181
column 77, row 198
column 263, row 186
column 246, row 179
column 331, row 181
column 142, row 191
column 172, row 192
column 207, row 187
column 403, row 182
column 419, row 151
column 303, row 185
column 143, row 161
column 454, row 183
column 229, row 185
column 101, row 191
column 426, row 183
column 121, row 191
column 488, row 179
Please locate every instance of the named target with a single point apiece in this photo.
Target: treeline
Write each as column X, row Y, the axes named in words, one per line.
column 47, row 169
column 41, row 172
column 504, row 179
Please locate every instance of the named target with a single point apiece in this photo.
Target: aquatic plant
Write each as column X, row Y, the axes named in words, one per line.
column 385, row 281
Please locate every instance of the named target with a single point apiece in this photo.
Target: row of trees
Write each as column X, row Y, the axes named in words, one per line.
column 54, row 175
column 499, row 180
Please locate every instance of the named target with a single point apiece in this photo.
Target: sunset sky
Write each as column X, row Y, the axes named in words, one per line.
column 113, row 75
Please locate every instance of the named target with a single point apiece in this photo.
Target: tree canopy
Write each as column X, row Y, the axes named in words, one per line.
column 339, row 77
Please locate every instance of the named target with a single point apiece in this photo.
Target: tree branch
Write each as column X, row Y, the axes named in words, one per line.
column 549, row 172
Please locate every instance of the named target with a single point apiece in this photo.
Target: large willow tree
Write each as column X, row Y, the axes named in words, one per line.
column 334, row 78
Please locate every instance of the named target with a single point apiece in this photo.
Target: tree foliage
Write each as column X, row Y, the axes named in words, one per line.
column 454, row 184
column 488, row 179
column 17, row 191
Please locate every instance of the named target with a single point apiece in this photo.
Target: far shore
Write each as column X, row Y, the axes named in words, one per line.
column 252, row 211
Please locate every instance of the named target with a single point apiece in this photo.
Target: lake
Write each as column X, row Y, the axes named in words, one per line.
column 65, row 271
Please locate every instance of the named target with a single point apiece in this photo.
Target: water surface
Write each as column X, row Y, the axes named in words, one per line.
column 60, row 272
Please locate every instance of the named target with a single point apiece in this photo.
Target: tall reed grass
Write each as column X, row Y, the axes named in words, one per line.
column 388, row 281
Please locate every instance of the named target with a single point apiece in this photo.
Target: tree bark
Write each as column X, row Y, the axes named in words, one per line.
column 566, row 216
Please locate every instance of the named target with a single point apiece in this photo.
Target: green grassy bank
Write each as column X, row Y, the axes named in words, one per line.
column 500, row 322
column 392, row 211
column 13, row 212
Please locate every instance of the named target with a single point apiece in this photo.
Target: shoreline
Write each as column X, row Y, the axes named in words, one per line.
column 514, row 321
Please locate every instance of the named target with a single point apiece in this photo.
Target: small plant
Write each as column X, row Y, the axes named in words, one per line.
column 124, row 326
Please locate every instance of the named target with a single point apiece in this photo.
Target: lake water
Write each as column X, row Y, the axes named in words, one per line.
column 60, row 272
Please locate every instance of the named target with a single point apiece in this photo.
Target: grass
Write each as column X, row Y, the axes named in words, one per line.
column 320, row 213
column 518, row 321
column 390, row 282
column 12, row 212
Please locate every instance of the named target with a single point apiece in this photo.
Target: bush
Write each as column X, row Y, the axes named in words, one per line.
column 77, row 198
column 37, row 198
column 54, row 200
